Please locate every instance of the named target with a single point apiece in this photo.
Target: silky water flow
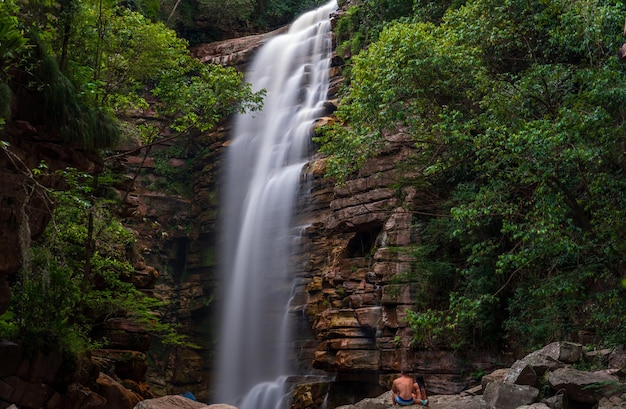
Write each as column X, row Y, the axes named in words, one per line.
column 264, row 165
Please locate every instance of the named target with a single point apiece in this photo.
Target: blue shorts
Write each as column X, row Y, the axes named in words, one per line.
column 404, row 402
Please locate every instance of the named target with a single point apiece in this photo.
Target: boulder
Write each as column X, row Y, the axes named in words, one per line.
column 25, row 393
column 500, row 395
column 177, row 402
column 43, row 366
column 581, row 386
column 570, row 352
column 558, row 401
column 435, row 402
column 598, row 356
column 496, row 376
column 127, row 364
column 529, row 369
column 10, row 356
column 456, row 402
column 116, row 395
column 77, row 397
column 617, row 358
column 614, row 402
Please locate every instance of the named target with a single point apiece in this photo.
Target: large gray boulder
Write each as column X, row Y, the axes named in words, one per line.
column 528, row 370
column 614, row 402
column 496, row 376
column 177, row 402
column 499, row 395
column 583, row 386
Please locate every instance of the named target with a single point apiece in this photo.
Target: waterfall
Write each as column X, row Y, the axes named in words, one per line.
column 263, row 169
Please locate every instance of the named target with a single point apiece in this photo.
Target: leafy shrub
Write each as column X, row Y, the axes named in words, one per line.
column 515, row 111
column 64, row 290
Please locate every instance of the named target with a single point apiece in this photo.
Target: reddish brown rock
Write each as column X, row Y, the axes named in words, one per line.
column 25, row 393
column 77, row 397
column 233, row 52
column 124, row 334
column 11, row 358
column 117, row 397
column 125, row 364
column 43, row 366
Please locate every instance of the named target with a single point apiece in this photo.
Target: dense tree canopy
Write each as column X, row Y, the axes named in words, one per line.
column 517, row 112
column 203, row 21
column 83, row 71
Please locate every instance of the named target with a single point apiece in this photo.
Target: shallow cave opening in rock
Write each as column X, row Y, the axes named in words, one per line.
column 179, row 260
column 352, row 387
column 363, row 242
column 202, row 321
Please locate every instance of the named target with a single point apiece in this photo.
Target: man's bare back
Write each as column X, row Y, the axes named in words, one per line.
column 403, row 387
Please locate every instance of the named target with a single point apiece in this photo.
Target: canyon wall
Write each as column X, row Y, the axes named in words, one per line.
column 353, row 267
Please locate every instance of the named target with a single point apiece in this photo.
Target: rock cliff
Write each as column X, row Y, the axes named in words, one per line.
column 352, row 265
column 355, row 262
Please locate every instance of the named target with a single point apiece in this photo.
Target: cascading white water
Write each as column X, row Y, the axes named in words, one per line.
column 264, row 163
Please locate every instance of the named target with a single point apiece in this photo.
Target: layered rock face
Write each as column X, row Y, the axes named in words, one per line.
column 355, row 261
column 176, row 234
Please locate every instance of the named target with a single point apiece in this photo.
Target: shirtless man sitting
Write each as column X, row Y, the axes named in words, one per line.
column 402, row 390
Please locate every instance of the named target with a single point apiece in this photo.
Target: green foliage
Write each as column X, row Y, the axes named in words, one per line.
column 12, row 45
column 516, row 110
column 128, row 53
column 274, row 13
column 466, row 324
column 433, row 11
column 363, row 22
column 515, row 33
column 205, row 21
column 12, row 42
column 77, row 122
column 94, row 60
column 407, row 78
column 173, row 180
column 225, row 14
column 198, row 95
column 118, row 51
column 56, row 294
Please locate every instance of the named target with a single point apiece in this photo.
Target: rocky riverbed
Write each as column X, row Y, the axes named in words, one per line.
column 562, row 375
